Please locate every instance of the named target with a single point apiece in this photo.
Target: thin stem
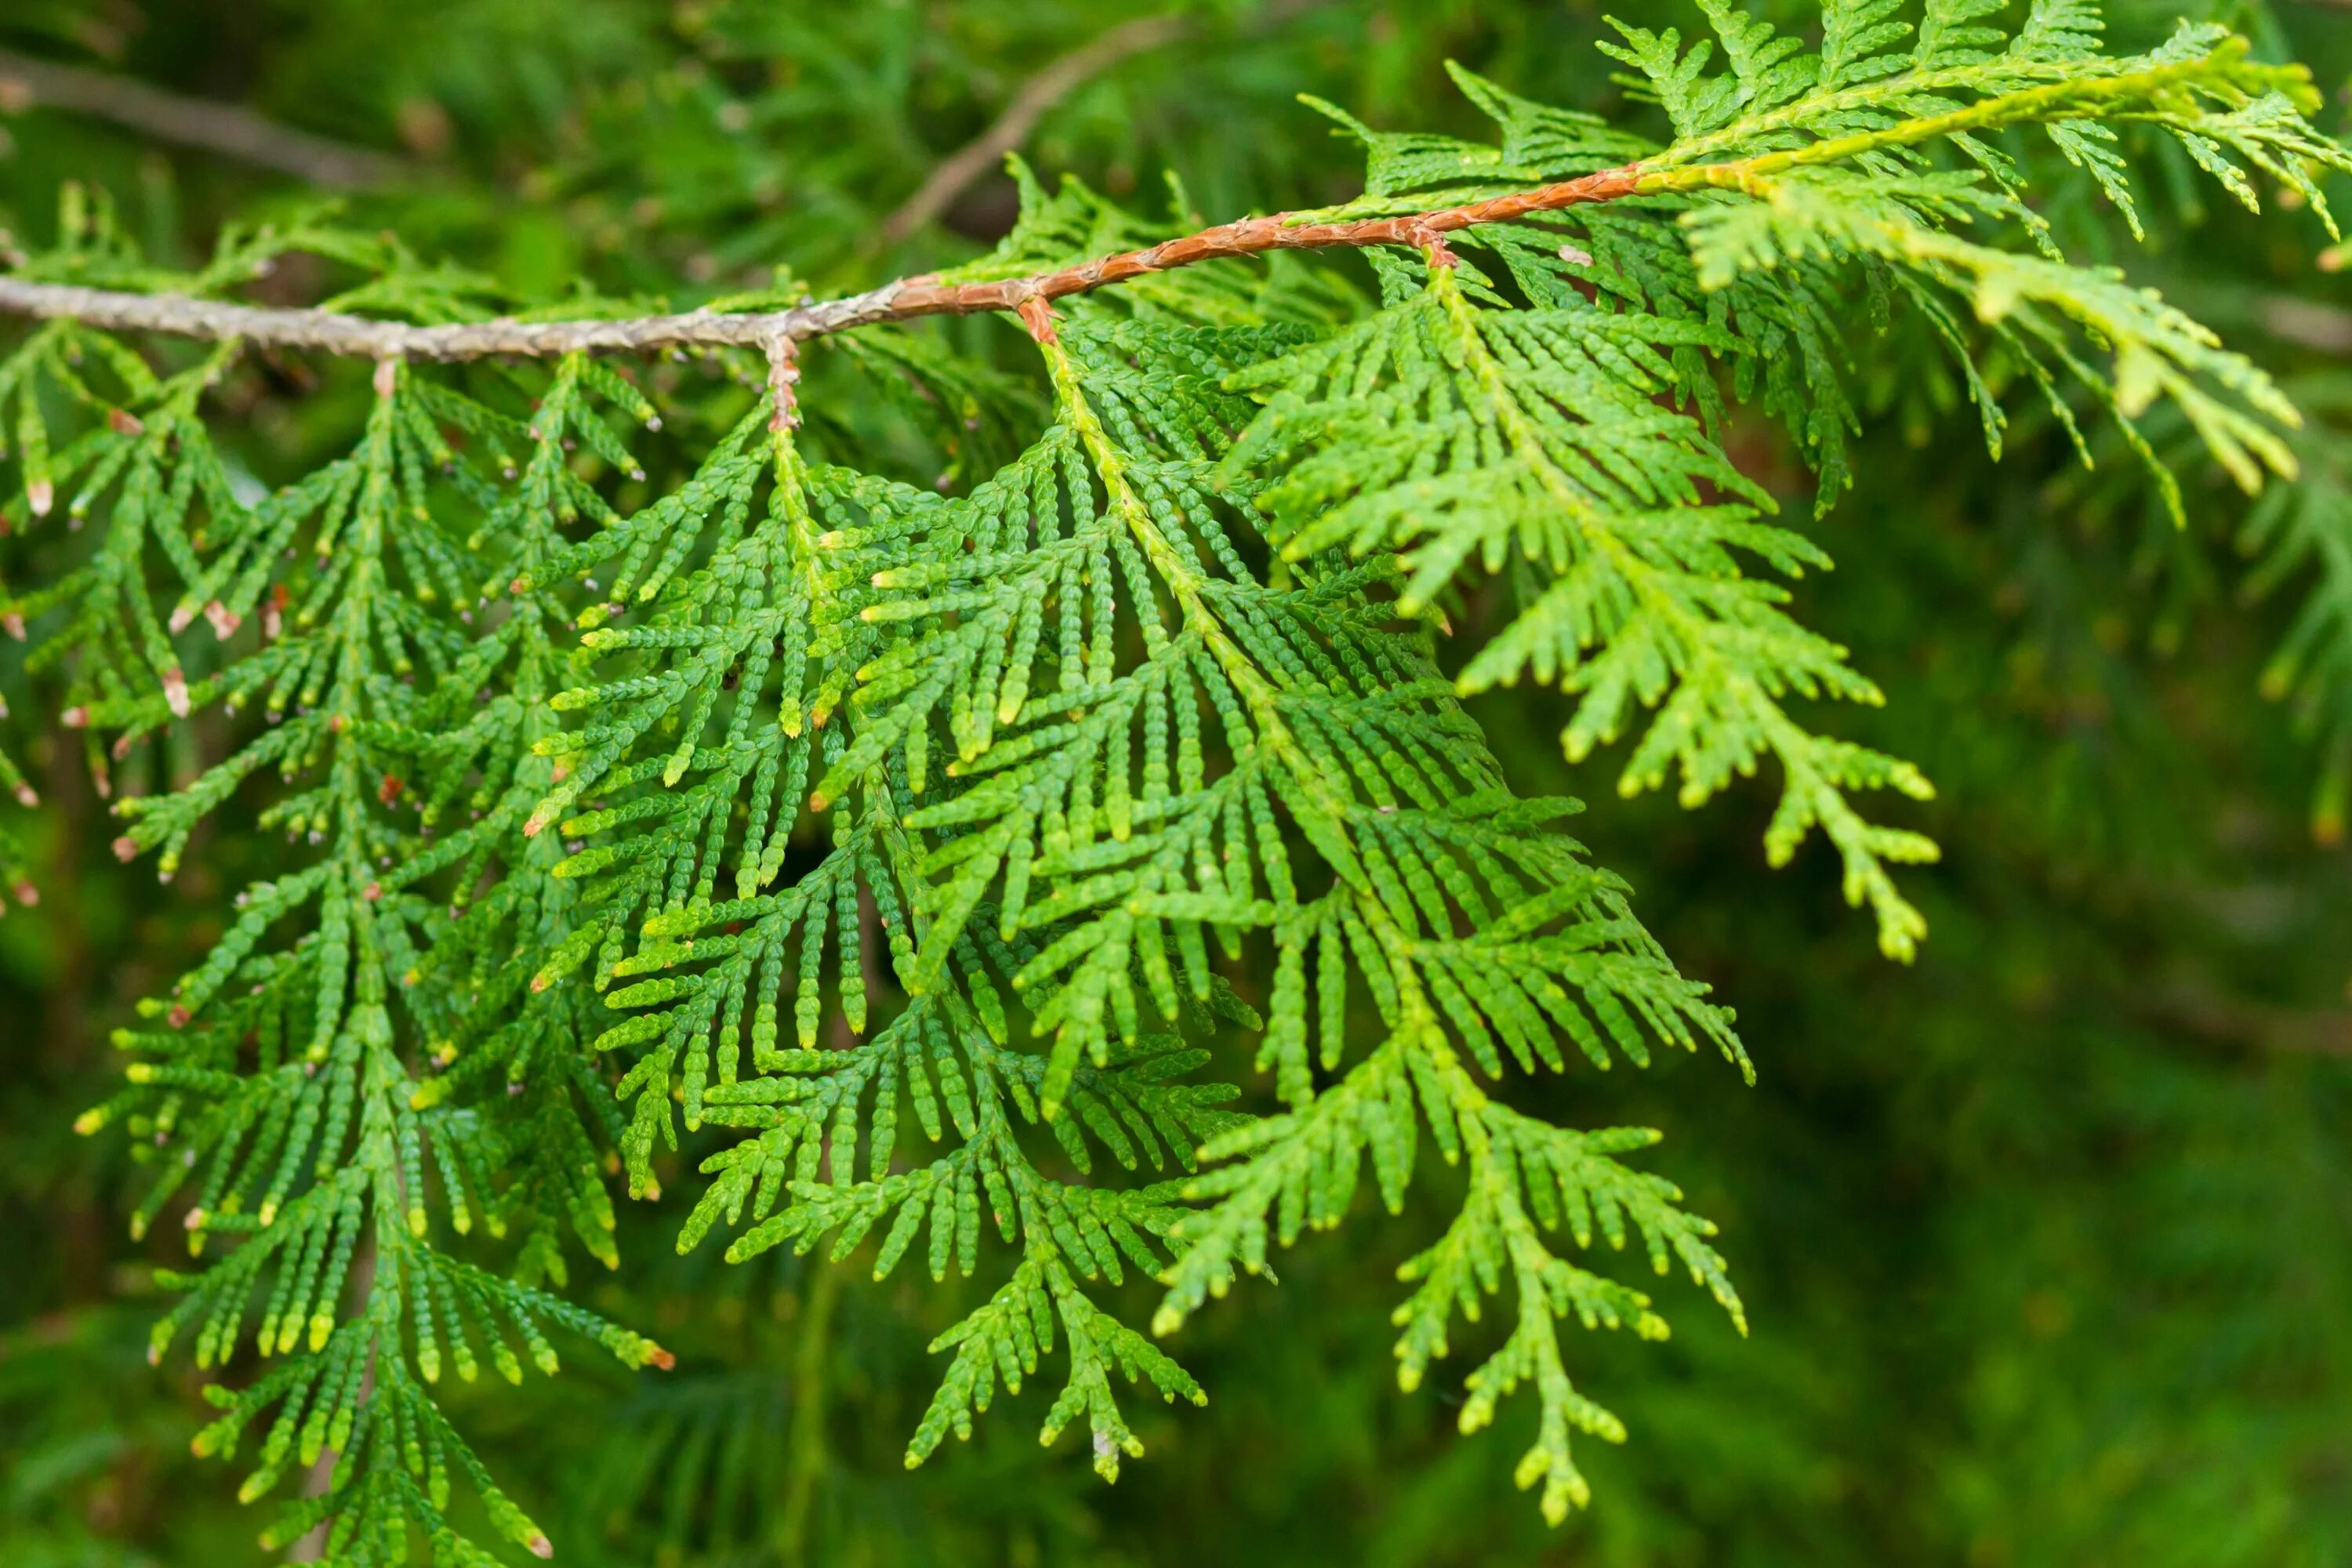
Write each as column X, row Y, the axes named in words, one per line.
column 905, row 300
column 222, row 128
column 1028, row 106
column 929, row 295
column 1037, row 96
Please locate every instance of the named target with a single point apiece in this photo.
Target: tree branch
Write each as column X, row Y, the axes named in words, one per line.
column 191, row 122
column 1029, row 105
column 327, row 331
column 928, row 295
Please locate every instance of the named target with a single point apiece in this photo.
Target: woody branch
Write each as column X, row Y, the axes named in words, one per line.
column 332, row 332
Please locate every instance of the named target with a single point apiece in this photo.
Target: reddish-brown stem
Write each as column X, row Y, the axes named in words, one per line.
column 331, row 332
column 1254, row 236
column 784, row 380
column 1037, row 315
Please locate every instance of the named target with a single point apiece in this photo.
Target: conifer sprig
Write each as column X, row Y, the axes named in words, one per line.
column 613, row 749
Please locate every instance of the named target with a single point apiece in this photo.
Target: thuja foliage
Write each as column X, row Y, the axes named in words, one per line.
column 754, row 814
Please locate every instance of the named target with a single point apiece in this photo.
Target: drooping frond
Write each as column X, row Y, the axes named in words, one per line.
column 1538, row 435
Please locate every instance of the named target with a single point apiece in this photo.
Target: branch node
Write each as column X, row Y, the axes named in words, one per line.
column 1037, row 315
column 784, row 378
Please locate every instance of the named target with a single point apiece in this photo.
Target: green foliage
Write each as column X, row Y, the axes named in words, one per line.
column 1010, row 798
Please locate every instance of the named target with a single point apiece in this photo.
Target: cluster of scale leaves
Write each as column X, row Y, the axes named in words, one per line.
column 278, row 1090
column 1552, row 414
column 993, row 798
column 1038, row 761
column 1530, row 415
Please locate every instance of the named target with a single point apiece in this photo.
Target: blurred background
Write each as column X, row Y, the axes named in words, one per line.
column 2046, row 1241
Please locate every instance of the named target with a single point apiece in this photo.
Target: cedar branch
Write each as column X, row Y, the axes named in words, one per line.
column 2070, row 97
column 333, row 332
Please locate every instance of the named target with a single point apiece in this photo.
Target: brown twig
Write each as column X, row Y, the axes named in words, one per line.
column 191, row 122
column 905, row 300
column 1037, row 95
column 2064, row 97
column 1029, row 105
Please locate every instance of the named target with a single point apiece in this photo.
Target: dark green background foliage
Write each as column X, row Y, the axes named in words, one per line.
column 2045, row 1240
